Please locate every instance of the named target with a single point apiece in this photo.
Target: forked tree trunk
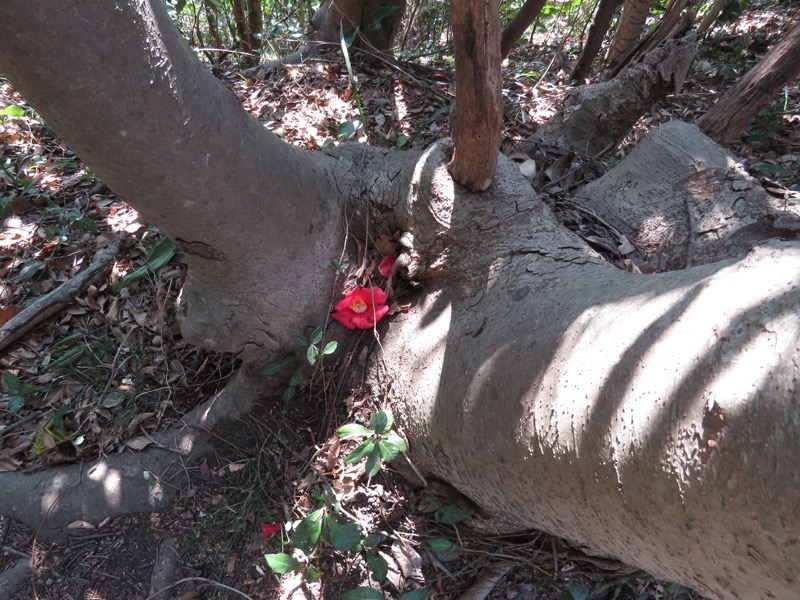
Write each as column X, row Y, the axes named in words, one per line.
column 754, row 91
column 653, row 418
column 478, row 112
column 594, row 41
column 517, row 26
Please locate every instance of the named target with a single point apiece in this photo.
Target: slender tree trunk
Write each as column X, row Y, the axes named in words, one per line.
column 242, row 25
column 213, row 28
column 521, row 21
column 754, row 91
column 634, row 15
column 255, row 18
column 594, row 41
column 478, row 113
column 711, row 16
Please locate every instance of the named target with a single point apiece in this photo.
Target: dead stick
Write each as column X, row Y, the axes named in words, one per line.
column 53, row 303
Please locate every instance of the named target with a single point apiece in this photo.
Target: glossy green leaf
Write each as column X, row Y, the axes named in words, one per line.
column 441, row 545
column 297, row 377
column 13, row 111
column 391, row 445
column 364, row 448
column 381, row 421
column 330, row 347
column 289, row 393
column 344, row 537
column 282, row 563
column 373, row 463
column 372, row 540
column 308, row 532
column 271, row 369
column 362, row 593
column 352, row 429
column 316, row 336
column 311, row 355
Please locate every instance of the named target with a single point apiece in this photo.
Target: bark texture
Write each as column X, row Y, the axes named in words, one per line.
column 374, row 33
column 168, row 149
column 478, row 112
column 754, row 91
column 692, row 215
column 596, row 117
column 631, row 22
column 627, row 413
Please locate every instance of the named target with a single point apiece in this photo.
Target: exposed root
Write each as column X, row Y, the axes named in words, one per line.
column 128, row 483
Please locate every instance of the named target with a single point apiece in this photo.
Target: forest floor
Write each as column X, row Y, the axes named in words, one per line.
column 110, row 369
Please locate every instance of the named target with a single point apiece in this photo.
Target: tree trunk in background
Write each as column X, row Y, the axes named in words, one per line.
column 376, row 25
column 242, row 25
column 731, row 114
column 255, row 19
column 521, row 21
column 594, row 41
column 478, row 111
column 711, row 16
column 651, row 418
column 634, row 15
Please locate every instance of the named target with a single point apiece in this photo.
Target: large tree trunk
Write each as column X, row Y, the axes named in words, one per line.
column 376, row 32
column 652, row 418
column 754, row 91
column 629, row 27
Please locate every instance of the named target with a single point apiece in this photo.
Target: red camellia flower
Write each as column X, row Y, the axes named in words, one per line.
column 386, row 266
column 269, row 528
column 361, row 308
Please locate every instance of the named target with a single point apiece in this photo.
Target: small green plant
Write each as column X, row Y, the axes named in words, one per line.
column 382, row 443
column 158, row 258
column 17, row 391
column 314, row 352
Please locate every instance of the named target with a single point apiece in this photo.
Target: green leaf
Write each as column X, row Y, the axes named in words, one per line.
column 311, row 355
column 12, row 111
column 282, row 563
column 158, row 258
column 86, row 224
column 316, row 336
column 441, row 545
column 344, row 538
column 372, row 540
column 330, row 347
column 271, row 369
column 360, row 452
column 381, row 421
column 420, row 594
column 148, row 477
column 297, row 377
column 15, row 404
column 450, row 514
column 577, row 591
column 289, row 393
column 312, row 574
column 362, row 593
column 390, row 446
column 300, row 341
column 373, row 463
column 307, row 534
column 352, row 429
column 287, row 362
column 12, row 382
column 347, row 130
column 378, row 567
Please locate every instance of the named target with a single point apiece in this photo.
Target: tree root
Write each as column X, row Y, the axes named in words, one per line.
column 118, row 485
